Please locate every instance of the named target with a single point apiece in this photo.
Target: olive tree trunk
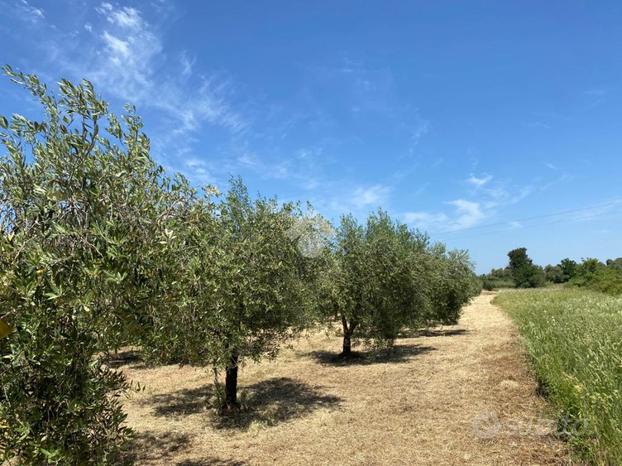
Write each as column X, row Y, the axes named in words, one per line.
column 348, row 331
column 231, row 384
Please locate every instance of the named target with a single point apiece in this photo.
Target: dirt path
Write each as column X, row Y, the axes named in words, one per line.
column 456, row 395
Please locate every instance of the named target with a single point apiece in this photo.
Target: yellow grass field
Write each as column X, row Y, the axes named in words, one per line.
column 452, row 395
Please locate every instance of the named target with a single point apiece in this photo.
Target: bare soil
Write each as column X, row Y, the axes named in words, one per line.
column 453, row 395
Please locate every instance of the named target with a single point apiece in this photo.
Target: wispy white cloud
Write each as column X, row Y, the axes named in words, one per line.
column 125, row 17
column 466, row 214
column 502, row 195
column 478, row 181
column 301, row 167
column 187, row 64
column 125, row 66
column 28, row 12
column 336, row 197
column 418, row 132
column 595, row 96
column 125, row 57
column 118, row 49
column 370, row 196
column 198, row 171
column 538, row 124
column 595, row 92
column 122, row 49
column 104, row 8
column 124, row 53
column 265, row 169
column 562, row 178
column 427, row 220
column 486, row 198
column 207, row 103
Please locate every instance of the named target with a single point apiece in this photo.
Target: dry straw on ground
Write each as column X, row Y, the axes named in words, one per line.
column 452, row 395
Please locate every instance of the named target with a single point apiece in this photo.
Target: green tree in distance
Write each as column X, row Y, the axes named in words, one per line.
column 524, row 272
column 568, row 268
column 554, row 274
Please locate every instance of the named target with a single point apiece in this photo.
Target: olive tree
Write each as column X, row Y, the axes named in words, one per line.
column 373, row 286
column 242, row 290
column 80, row 202
column 453, row 284
column 383, row 276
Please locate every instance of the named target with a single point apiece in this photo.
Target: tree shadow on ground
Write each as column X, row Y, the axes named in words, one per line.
column 432, row 332
column 155, row 446
column 162, row 447
column 181, row 402
column 273, row 401
column 396, row 354
column 211, row 462
column 132, row 358
column 268, row 402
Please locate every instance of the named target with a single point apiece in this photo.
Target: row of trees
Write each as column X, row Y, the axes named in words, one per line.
column 591, row 273
column 562, row 272
column 382, row 276
column 99, row 248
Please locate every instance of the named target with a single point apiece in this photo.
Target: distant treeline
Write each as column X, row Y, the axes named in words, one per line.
column 590, row 273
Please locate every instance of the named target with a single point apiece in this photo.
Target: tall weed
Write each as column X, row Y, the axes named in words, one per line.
column 574, row 339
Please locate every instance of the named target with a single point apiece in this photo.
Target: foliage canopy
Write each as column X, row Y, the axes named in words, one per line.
column 383, row 276
column 99, row 248
column 79, row 200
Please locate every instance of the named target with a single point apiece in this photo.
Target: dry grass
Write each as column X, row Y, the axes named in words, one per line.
column 455, row 395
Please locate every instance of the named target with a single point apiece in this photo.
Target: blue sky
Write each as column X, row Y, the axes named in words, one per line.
column 491, row 125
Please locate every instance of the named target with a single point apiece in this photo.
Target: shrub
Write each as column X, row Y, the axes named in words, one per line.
column 487, row 284
column 498, row 278
column 595, row 275
column 553, row 274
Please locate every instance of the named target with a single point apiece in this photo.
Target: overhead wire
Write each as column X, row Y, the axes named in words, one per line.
column 556, row 217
